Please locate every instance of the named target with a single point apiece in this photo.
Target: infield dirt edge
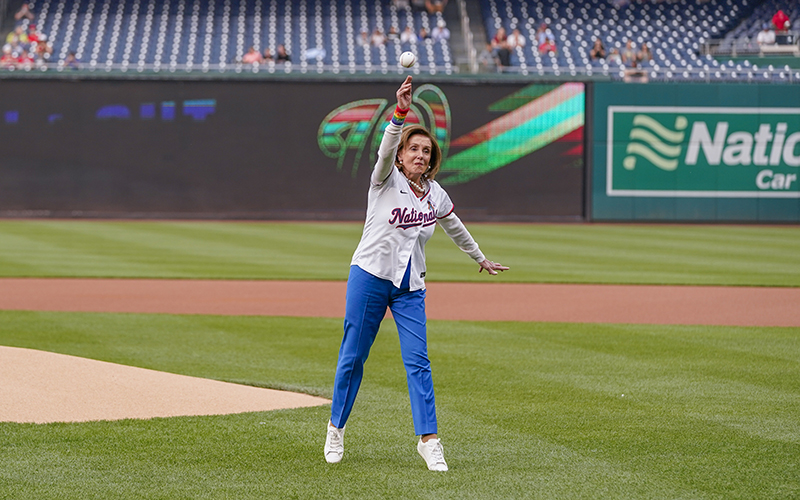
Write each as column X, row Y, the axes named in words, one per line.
column 43, row 387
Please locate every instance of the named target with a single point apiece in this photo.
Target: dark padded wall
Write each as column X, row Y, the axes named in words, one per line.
column 252, row 149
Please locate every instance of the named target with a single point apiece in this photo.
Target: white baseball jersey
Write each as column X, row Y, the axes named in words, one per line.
column 399, row 223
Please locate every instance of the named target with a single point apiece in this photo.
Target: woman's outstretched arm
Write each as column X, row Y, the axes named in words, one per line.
column 391, row 136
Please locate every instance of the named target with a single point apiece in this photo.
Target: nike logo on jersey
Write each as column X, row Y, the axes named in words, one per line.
column 403, row 192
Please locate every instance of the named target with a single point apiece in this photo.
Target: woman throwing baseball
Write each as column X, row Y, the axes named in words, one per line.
column 388, row 269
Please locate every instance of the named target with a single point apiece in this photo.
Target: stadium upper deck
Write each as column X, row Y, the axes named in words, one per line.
column 337, row 36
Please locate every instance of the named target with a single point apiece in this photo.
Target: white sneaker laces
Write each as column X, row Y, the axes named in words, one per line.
column 437, row 452
column 336, row 439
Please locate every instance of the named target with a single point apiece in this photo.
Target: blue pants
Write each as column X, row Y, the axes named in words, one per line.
column 367, row 299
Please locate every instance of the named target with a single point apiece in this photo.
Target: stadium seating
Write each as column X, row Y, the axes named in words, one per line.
column 323, row 35
column 743, row 37
column 674, row 31
column 170, row 35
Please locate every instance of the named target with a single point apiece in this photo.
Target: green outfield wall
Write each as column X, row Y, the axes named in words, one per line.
column 695, row 152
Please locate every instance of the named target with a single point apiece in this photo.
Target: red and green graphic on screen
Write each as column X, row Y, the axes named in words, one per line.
column 534, row 117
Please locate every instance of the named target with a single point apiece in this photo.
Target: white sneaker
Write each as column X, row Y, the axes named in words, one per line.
column 433, row 453
column 334, row 444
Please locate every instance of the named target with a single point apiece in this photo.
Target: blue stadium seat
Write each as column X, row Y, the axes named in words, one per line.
column 675, row 31
column 320, row 35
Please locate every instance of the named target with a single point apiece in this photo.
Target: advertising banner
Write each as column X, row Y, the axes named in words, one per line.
column 280, row 149
column 710, row 152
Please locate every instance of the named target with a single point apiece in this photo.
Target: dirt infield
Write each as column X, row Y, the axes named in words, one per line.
column 46, row 387
column 642, row 304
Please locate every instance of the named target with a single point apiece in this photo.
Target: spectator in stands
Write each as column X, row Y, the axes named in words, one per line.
column 408, row 36
column 18, row 37
column 363, row 38
column 499, row 38
column 72, row 62
column 8, row 60
column 440, row 32
column 766, row 36
column 487, row 59
column 629, row 54
column 42, row 49
column 393, row 35
column 252, row 56
column 434, row 6
column 25, row 60
column 314, row 54
column 24, row 12
column 515, row 39
column 400, row 4
column 540, row 34
column 614, row 57
column 281, row 54
column 781, row 21
column 644, row 55
column 378, row 38
column 33, row 35
column 423, row 34
column 503, row 54
column 267, row 57
column 598, row 52
column 547, row 42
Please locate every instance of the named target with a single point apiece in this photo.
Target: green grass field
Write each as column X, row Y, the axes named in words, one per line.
column 577, row 253
column 526, row 410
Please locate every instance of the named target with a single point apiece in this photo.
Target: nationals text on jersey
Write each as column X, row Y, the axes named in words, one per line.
column 413, row 218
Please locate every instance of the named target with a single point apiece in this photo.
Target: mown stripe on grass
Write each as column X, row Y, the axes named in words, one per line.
column 526, row 410
column 577, row 253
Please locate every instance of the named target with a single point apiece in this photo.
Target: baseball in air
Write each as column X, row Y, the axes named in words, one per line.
column 408, row 59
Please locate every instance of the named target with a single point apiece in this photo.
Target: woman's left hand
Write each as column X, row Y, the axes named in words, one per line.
column 491, row 267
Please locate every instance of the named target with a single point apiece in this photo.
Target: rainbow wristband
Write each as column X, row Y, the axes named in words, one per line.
column 399, row 115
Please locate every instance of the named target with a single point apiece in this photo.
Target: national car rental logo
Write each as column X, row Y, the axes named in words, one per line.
column 703, row 151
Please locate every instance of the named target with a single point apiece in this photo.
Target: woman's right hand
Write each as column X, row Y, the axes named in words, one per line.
column 404, row 94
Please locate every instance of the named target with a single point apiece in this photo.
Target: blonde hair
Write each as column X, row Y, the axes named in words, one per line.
column 436, row 151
